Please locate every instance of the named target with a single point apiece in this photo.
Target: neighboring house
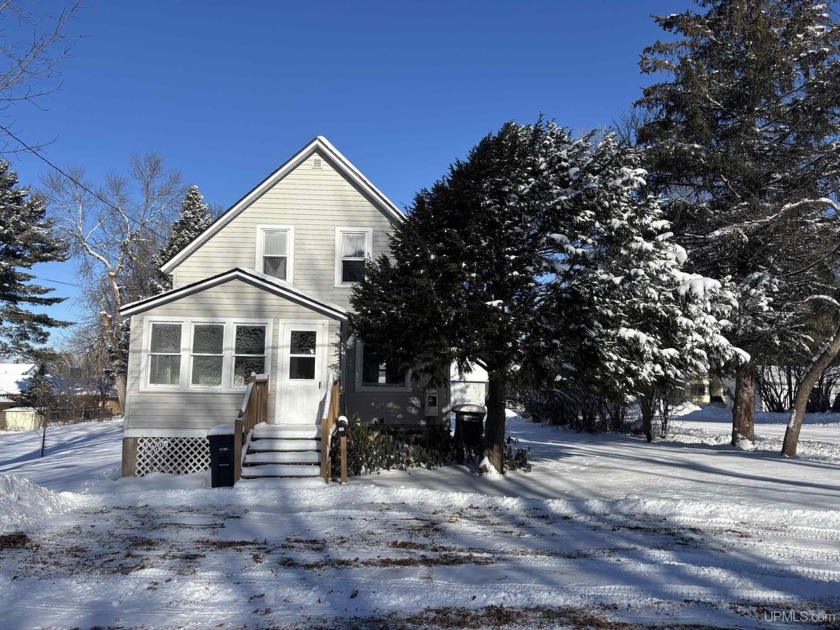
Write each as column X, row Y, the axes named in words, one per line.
column 266, row 289
column 14, row 378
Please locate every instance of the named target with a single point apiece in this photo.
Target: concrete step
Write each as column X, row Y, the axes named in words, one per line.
column 286, row 457
column 292, row 445
column 280, row 470
column 265, row 431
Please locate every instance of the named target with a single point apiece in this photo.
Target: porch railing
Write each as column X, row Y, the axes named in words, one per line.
column 327, row 431
column 254, row 409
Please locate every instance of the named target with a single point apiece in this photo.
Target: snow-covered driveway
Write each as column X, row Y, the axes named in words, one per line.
column 605, row 527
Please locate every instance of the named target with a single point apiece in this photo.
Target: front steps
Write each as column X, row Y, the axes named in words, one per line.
column 280, row 450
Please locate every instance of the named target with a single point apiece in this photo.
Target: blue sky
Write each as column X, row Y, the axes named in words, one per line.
column 228, row 91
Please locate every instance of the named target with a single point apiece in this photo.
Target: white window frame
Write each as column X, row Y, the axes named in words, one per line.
column 383, row 387
column 290, row 248
column 148, row 354
column 233, row 354
column 368, row 251
column 187, row 327
column 189, row 344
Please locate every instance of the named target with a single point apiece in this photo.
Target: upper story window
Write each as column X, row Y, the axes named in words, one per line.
column 275, row 246
column 352, row 248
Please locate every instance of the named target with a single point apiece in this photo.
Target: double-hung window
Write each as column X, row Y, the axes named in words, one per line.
column 275, row 245
column 208, row 355
column 165, row 354
column 352, row 249
column 248, row 353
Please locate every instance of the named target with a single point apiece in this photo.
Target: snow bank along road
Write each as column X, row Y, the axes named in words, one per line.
column 605, row 529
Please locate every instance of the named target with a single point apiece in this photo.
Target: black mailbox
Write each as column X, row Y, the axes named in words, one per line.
column 342, row 426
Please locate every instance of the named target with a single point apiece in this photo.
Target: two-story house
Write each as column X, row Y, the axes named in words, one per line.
column 265, row 289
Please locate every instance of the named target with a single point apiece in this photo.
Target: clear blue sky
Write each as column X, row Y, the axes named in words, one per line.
column 228, row 91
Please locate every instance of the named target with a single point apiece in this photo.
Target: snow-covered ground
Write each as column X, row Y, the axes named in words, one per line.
column 605, row 528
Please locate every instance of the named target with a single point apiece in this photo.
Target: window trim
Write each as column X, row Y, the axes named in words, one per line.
column 193, row 354
column 367, row 387
column 290, row 248
column 368, row 232
column 148, row 354
column 188, row 324
column 233, row 355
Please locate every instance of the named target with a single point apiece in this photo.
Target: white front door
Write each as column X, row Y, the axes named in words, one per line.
column 303, row 371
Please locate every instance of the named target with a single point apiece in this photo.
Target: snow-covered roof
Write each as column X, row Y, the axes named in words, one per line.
column 18, row 368
column 325, row 149
column 249, row 276
column 14, row 377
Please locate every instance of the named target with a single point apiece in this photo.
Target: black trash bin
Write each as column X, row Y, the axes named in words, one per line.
column 221, row 455
column 469, row 428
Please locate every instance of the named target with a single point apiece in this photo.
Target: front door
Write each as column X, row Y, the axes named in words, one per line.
column 303, row 363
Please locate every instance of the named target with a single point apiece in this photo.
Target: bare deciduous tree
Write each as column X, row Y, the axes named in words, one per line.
column 33, row 40
column 111, row 230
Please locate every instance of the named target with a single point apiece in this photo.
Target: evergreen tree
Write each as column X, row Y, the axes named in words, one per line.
column 742, row 134
column 538, row 258
column 25, row 240
column 193, row 219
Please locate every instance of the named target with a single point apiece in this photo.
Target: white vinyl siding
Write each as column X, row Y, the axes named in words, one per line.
column 314, row 201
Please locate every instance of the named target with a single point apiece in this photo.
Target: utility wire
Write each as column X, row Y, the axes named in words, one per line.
column 69, row 284
column 44, row 159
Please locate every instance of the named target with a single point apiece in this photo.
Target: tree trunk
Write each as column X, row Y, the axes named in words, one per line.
column 742, row 411
column 646, row 407
column 800, row 402
column 494, row 427
column 120, row 383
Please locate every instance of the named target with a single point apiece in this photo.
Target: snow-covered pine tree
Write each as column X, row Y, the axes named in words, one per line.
column 742, row 135
column 192, row 220
column 626, row 318
column 25, row 239
column 538, row 258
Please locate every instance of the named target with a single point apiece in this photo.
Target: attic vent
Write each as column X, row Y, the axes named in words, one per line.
column 316, row 162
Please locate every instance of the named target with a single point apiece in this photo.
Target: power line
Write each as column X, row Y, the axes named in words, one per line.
column 44, row 159
column 69, row 284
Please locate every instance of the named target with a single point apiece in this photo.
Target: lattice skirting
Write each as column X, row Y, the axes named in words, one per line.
column 174, row 455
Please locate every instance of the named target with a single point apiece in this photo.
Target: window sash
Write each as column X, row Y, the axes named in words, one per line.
column 275, row 246
column 353, row 248
column 164, row 362
column 377, row 374
column 243, row 362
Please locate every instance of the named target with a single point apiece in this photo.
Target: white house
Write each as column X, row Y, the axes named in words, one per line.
column 265, row 289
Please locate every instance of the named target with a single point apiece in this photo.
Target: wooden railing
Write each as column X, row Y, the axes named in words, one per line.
column 254, row 409
column 327, row 430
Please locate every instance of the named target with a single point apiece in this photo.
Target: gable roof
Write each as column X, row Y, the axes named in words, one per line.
column 249, row 276
column 322, row 146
